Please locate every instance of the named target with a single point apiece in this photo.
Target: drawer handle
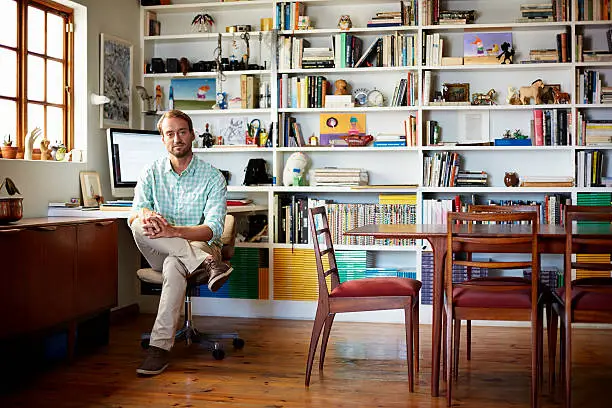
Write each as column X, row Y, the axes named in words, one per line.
column 47, row 228
column 104, row 223
column 8, row 231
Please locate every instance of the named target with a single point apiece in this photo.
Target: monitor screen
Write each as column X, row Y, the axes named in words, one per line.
column 129, row 151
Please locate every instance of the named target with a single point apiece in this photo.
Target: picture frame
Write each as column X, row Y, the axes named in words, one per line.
column 546, row 94
column 473, row 127
column 116, row 81
column 194, row 93
column 458, row 92
column 91, row 188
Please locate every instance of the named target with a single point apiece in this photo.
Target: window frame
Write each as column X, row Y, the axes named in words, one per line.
column 21, row 51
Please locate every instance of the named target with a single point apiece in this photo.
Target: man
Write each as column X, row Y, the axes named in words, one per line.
column 177, row 220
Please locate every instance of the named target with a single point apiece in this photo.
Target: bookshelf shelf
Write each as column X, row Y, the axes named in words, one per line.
column 248, row 189
column 594, row 105
column 232, row 149
column 503, row 67
column 220, row 112
column 212, row 74
column 347, row 149
column 333, row 189
column 196, row 37
column 596, row 23
column 497, row 148
column 355, row 109
column 497, row 26
column 594, row 64
column 356, row 30
column 357, row 71
column 507, row 190
column 198, row 7
column 493, row 107
column 247, row 208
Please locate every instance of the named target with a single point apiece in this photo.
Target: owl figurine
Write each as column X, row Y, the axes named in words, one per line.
column 345, row 22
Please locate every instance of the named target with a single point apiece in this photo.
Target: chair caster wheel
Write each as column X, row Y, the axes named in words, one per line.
column 238, row 343
column 218, row 354
column 144, row 343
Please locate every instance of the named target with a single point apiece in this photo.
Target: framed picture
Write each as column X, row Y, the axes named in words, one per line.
column 473, row 127
column 90, row 188
column 115, row 81
column 194, row 93
column 546, row 94
column 456, row 92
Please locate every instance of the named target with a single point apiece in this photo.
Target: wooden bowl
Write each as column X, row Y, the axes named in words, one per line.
column 11, row 209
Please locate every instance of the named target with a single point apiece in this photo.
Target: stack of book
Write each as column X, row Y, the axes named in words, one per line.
column 386, row 19
column 468, row 178
column 389, row 140
column 543, row 55
column 536, row 12
column 457, row 17
column 547, row 181
column 606, row 94
column 116, row 205
column 598, row 132
column 336, row 176
column 317, row 58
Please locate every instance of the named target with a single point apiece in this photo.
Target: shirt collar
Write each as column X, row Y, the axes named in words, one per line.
column 191, row 167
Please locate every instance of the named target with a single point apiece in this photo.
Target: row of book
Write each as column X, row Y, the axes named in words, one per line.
column 442, row 170
column 302, row 92
column 406, row 91
column 390, row 50
column 591, row 90
column 288, row 15
column 590, row 10
column 433, row 49
column 593, row 132
column 589, row 169
column 552, row 127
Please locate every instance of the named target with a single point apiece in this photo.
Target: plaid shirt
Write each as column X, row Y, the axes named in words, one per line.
column 196, row 196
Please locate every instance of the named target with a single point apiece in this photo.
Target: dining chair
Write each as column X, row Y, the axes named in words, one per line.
column 359, row 295
column 507, row 298
column 585, row 300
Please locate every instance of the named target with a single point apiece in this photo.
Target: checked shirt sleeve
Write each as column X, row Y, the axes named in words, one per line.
column 216, row 205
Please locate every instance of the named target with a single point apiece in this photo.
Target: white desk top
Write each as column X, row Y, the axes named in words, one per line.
column 77, row 212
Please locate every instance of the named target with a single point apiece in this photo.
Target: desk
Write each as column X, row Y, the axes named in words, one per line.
column 551, row 240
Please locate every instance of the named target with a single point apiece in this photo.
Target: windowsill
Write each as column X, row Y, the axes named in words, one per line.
column 40, row 161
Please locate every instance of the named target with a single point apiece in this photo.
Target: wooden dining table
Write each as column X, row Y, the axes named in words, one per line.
column 551, row 239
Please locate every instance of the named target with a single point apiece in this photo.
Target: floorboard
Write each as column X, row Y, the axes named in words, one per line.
column 365, row 367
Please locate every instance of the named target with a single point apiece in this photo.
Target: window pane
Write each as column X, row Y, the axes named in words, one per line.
column 8, row 28
column 8, row 124
column 8, row 72
column 36, row 78
column 55, row 36
column 55, row 82
column 36, row 117
column 36, row 30
column 55, row 126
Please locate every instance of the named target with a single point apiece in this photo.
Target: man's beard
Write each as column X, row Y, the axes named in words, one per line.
column 179, row 153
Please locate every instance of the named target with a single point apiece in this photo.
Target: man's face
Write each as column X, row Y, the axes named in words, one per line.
column 177, row 137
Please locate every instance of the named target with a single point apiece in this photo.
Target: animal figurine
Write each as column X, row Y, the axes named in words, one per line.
column 45, row 150
column 185, row 65
column 507, row 53
column 297, row 160
column 513, row 96
column 345, row 22
column 341, row 87
column 560, row 97
column 532, row 91
column 484, row 99
column 29, row 143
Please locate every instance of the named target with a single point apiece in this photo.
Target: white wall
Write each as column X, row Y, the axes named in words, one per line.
column 42, row 182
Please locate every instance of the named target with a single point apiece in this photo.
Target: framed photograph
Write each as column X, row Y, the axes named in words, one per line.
column 115, row 81
column 473, row 127
column 194, row 93
column 546, row 94
column 90, row 188
column 456, row 92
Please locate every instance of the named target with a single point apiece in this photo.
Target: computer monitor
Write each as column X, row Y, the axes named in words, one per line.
column 129, row 151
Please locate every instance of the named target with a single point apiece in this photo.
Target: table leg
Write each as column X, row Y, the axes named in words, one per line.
column 438, row 245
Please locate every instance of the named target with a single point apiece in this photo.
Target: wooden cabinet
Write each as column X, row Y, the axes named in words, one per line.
column 61, row 270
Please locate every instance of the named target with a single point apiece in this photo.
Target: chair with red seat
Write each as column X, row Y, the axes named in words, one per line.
column 357, row 296
column 588, row 300
column 507, row 299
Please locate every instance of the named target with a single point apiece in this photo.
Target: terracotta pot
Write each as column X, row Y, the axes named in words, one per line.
column 11, row 209
column 9, row 152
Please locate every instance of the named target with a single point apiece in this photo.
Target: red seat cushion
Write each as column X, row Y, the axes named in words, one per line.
column 512, row 299
column 585, row 300
column 377, row 287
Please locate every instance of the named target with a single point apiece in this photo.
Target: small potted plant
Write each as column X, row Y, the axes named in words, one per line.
column 8, row 150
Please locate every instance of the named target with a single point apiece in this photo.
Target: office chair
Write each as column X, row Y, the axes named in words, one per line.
column 188, row 332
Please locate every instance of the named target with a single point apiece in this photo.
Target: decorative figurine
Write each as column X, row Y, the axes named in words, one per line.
column 511, row 179
column 29, row 143
column 532, row 91
column 185, row 65
column 513, row 96
column 158, row 99
column 202, row 22
column 221, row 100
column 297, row 161
column 560, row 97
column 518, row 135
column 207, row 139
column 345, row 22
column 507, row 53
column 341, row 87
column 484, row 99
column 313, row 140
column 45, row 150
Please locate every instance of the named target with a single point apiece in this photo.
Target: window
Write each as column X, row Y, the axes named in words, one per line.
column 36, row 70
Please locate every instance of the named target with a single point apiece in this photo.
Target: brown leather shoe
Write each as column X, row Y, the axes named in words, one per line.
column 155, row 362
column 218, row 273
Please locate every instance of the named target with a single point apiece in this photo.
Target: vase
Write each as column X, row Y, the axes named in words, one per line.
column 511, row 179
column 9, row 152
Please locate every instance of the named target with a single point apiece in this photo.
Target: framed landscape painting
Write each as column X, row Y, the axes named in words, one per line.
column 115, row 81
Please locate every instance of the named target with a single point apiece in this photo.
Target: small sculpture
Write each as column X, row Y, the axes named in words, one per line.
column 207, row 139
column 185, row 65
column 484, row 99
column 341, row 87
column 29, row 143
column 532, row 91
column 345, row 22
column 560, row 97
column 158, row 99
column 45, row 150
column 513, row 96
column 511, row 179
column 297, row 160
column 202, row 22
column 221, row 100
column 507, row 53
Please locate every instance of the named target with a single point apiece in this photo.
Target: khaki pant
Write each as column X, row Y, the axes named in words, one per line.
column 176, row 258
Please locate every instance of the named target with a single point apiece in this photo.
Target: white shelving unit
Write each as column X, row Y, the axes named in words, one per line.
column 386, row 166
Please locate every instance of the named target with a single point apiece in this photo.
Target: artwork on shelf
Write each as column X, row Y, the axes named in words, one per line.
column 232, row 129
column 484, row 48
column 194, row 93
column 115, row 81
column 547, row 94
column 456, row 92
column 473, row 127
column 91, row 189
column 334, row 125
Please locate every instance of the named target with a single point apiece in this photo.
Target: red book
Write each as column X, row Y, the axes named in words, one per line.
column 538, row 125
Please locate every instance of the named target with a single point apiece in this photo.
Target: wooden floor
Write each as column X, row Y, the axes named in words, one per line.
column 365, row 367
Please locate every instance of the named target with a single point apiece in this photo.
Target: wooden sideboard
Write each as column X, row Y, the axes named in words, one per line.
column 56, row 271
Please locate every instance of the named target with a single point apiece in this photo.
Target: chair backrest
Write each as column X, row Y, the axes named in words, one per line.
column 473, row 238
column 506, row 209
column 228, row 238
column 323, row 246
column 591, row 238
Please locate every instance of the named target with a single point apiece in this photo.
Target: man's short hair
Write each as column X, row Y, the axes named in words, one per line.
column 174, row 113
